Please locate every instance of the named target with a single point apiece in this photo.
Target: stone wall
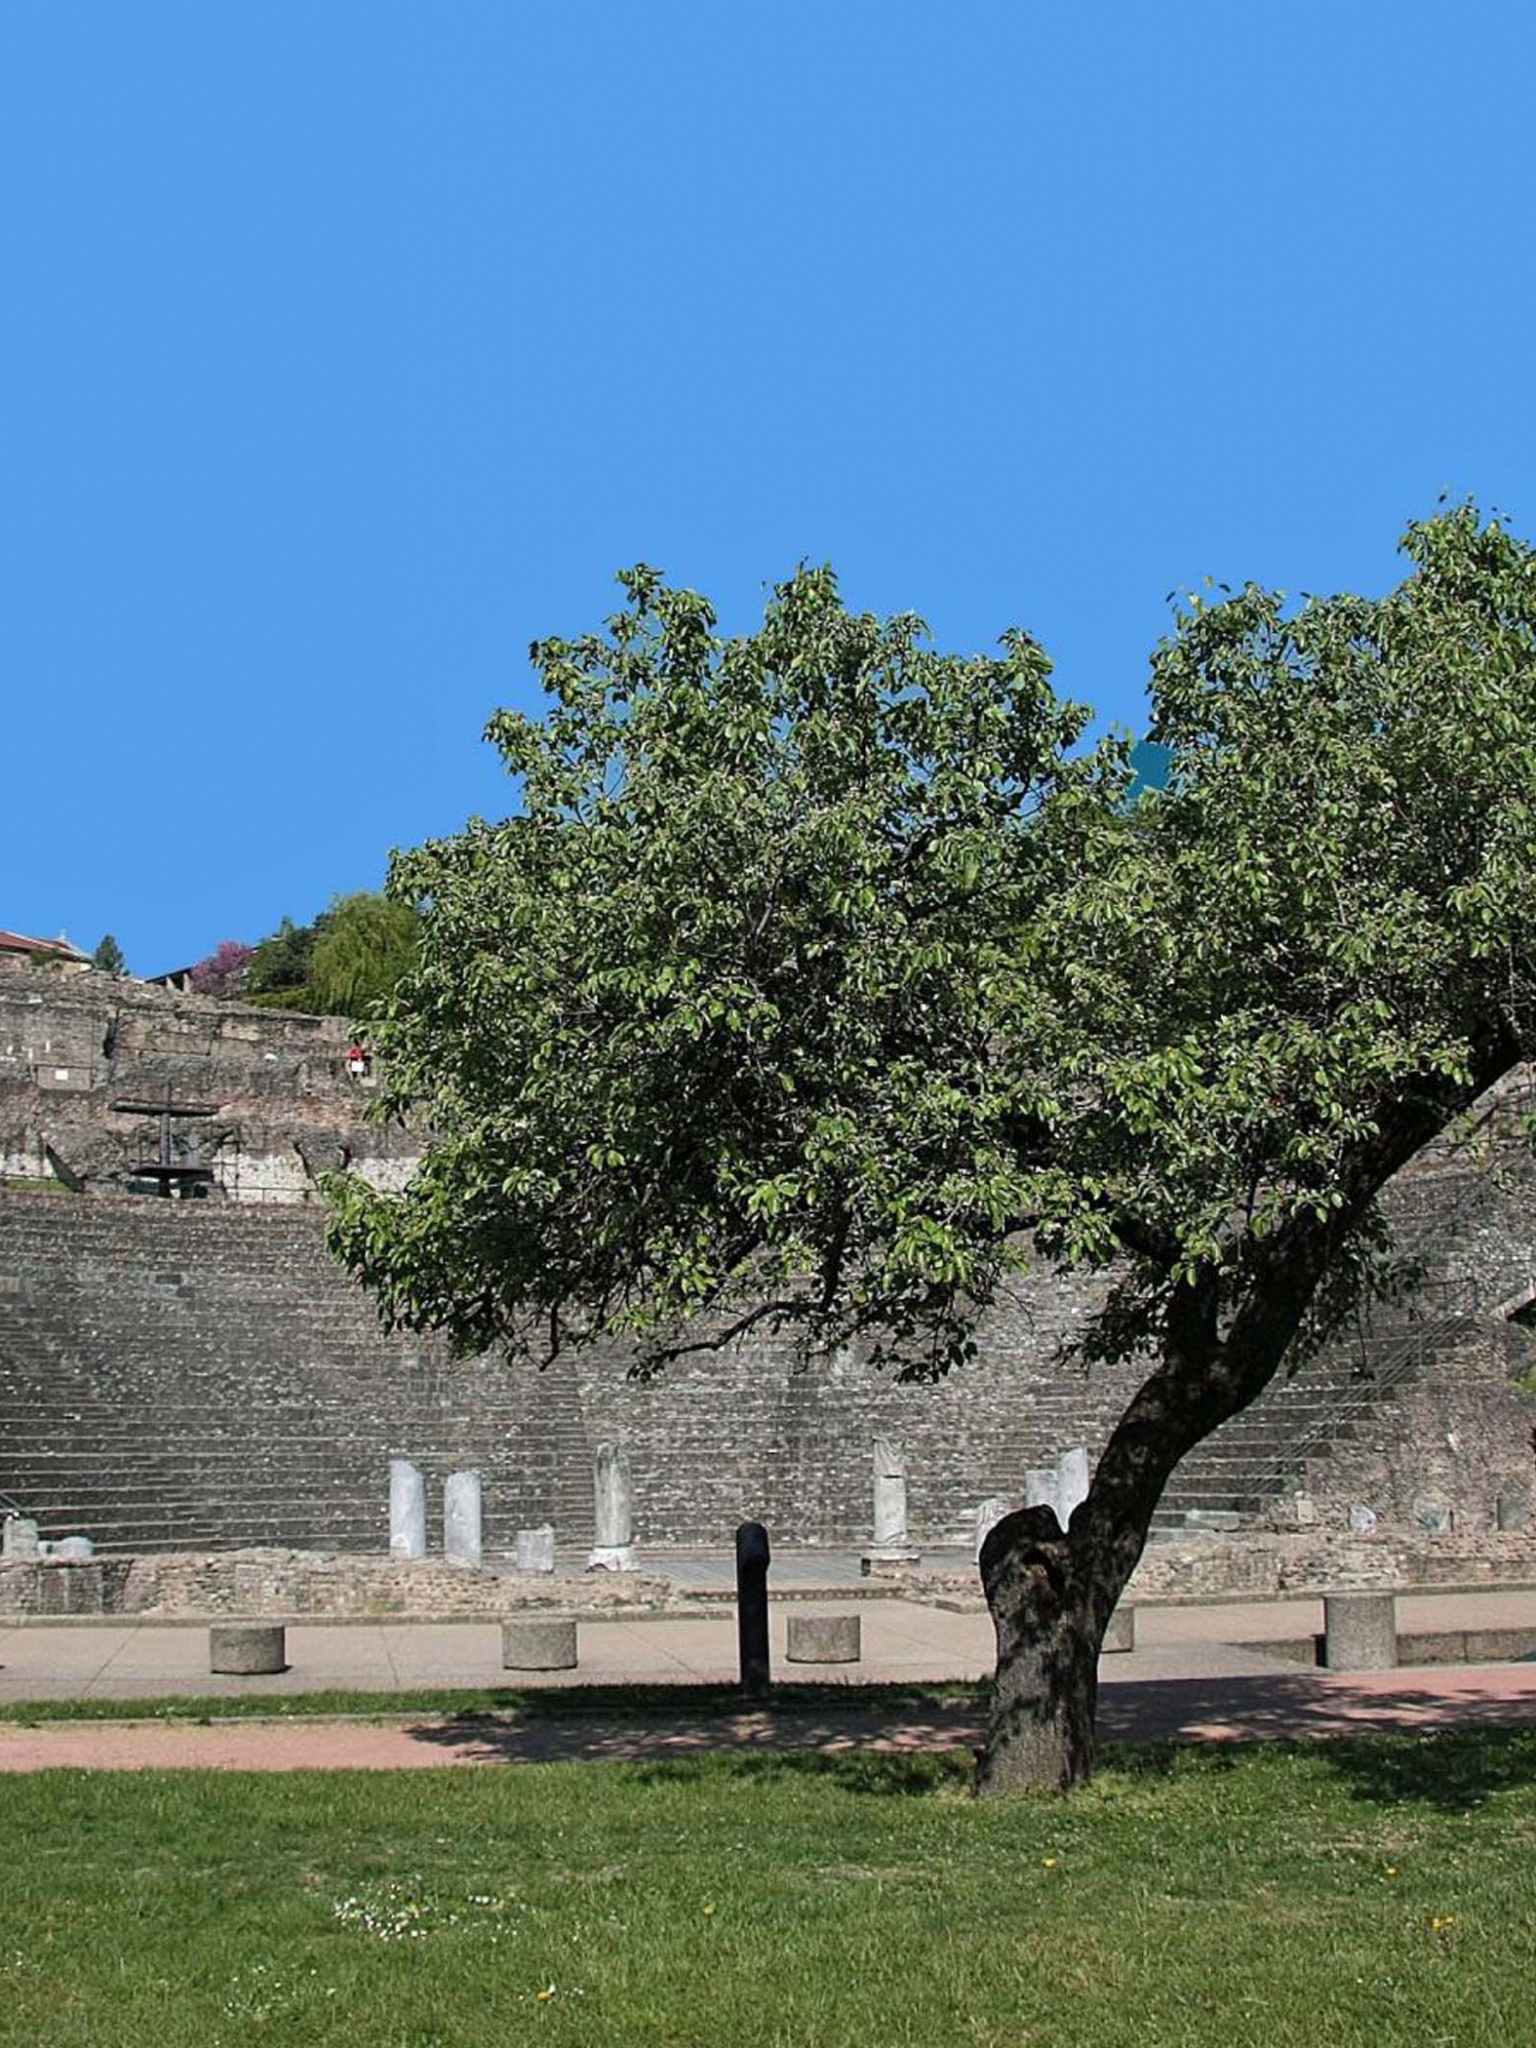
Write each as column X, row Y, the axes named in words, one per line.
column 286, row 1108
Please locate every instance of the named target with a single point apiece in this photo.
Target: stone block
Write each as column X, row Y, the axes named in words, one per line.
column 247, row 1649
column 534, row 1549
column 823, row 1639
column 538, row 1642
column 1121, row 1632
column 462, row 1518
column 1360, row 1631
column 74, row 1550
column 18, row 1538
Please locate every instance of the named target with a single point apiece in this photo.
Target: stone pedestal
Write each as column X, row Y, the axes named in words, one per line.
column 461, row 1518
column 1121, row 1632
column 613, row 1549
column 538, row 1642
column 892, row 1545
column 1360, row 1632
column 247, row 1649
column 822, row 1639
column 534, row 1550
column 407, row 1510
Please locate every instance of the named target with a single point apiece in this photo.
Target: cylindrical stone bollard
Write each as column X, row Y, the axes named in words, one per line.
column 1360, row 1632
column 534, row 1549
column 1121, row 1632
column 538, row 1642
column 823, row 1639
column 461, row 1518
column 407, row 1510
column 247, row 1649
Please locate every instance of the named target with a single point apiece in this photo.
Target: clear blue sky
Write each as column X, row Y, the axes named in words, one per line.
column 349, row 346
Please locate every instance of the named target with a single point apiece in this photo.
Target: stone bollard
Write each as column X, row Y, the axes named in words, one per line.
column 534, row 1550
column 988, row 1515
column 823, row 1639
column 892, row 1545
column 407, row 1510
column 538, row 1642
column 461, row 1518
column 1359, row 1632
column 613, row 1498
column 247, row 1649
column 1121, row 1633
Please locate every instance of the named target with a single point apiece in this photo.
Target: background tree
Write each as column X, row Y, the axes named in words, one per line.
column 280, row 964
column 108, row 957
column 363, row 945
column 817, row 987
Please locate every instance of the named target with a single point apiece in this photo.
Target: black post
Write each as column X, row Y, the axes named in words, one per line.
column 752, row 1608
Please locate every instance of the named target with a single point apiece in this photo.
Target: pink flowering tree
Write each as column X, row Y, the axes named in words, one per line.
column 223, row 972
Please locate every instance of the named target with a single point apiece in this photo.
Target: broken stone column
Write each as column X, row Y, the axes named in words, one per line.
column 461, row 1518
column 1040, row 1488
column 534, row 1549
column 613, row 1498
column 892, row 1545
column 407, row 1510
column 988, row 1515
column 1072, row 1479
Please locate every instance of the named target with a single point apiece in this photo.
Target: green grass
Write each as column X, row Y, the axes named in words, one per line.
column 1355, row 1894
column 531, row 1703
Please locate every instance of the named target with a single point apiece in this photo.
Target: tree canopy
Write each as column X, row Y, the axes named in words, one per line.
column 822, row 979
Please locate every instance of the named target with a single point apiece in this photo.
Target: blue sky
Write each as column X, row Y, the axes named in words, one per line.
column 348, row 347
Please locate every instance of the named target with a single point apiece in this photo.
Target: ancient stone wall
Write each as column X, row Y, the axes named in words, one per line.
column 286, row 1107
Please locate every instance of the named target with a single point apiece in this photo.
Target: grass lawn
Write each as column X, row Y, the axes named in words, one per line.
column 1373, row 1892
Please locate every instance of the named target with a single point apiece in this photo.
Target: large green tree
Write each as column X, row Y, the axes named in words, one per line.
column 819, row 984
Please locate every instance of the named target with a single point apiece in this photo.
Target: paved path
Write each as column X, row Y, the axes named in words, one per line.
column 1197, row 1673
column 1274, row 1705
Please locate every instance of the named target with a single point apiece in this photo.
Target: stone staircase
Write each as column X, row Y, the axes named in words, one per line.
column 185, row 1374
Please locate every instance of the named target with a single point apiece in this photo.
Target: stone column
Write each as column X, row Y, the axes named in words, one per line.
column 1072, row 1479
column 613, row 1497
column 988, row 1515
column 461, row 1518
column 892, row 1545
column 407, row 1510
column 1041, row 1489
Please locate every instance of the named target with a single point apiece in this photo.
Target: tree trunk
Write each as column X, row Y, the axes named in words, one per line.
column 1050, row 1608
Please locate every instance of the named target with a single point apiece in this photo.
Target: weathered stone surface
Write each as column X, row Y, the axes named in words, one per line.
column 1512, row 1510
column 1360, row 1631
column 74, row 1550
column 538, row 1642
column 534, row 1549
column 18, row 1538
column 822, row 1639
column 407, row 1510
column 247, row 1648
column 462, row 1532
column 1073, row 1474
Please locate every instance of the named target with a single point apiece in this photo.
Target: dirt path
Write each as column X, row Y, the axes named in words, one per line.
column 1276, row 1705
